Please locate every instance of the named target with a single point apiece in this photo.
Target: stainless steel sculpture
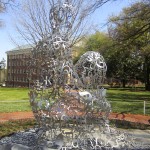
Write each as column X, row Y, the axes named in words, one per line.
column 68, row 100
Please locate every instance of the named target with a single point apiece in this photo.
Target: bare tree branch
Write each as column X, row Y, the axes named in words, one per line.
column 34, row 17
column 3, row 6
column 5, row 3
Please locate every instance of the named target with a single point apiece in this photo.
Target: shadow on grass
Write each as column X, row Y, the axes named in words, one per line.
column 129, row 107
column 11, row 127
column 129, row 125
column 131, row 89
column 128, row 96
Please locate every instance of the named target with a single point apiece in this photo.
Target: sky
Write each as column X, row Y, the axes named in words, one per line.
column 98, row 19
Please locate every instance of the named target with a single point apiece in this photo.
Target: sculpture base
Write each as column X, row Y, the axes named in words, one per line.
column 32, row 140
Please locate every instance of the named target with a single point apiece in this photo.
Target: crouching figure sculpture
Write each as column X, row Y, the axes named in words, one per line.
column 68, row 101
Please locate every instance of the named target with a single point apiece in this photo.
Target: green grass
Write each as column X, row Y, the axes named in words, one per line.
column 14, row 107
column 15, row 126
column 122, row 100
column 128, row 100
column 14, row 99
column 13, row 94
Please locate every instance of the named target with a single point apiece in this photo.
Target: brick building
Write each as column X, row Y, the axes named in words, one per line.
column 17, row 66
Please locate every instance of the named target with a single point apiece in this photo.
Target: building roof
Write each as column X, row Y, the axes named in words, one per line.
column 27, row 46
column 21, row 49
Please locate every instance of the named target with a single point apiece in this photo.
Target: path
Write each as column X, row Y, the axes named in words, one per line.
column 4, row 117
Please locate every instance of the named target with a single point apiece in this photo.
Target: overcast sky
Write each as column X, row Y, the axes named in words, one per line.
column 98, row 19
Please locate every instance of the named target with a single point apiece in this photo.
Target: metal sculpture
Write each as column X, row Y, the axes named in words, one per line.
column 68, row 100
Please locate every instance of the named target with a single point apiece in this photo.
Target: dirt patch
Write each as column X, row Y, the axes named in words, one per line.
column 113, row 116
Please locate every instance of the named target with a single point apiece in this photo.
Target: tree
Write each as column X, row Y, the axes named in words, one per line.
column 5, row 3
column 130, row 31
column 118, row 60
column 102, row 43
column 132, row 23
column 33, row 21
column 123, row 65
column 3, row 6
column 98, row 42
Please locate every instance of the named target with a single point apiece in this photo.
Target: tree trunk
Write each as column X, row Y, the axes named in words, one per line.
column 123, row 83
column 124, row 76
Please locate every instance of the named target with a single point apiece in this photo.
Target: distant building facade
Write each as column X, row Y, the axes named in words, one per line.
column 17, row 66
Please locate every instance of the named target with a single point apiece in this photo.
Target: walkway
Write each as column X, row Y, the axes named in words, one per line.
column 4, row 117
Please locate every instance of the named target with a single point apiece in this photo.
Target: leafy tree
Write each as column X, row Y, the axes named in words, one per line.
column 79, row 49
column 123, row 65
column 102, row 43
column 98, row 42
column 130, row 32
column 132, row 23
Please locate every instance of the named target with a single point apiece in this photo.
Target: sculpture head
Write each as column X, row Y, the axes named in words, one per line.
column 91, row 68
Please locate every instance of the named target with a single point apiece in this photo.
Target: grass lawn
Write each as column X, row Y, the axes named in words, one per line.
column 15, row 126
column 128, row 100
column 11, row 94
column 122, row 100
column 14, row 99
column 14, row 107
